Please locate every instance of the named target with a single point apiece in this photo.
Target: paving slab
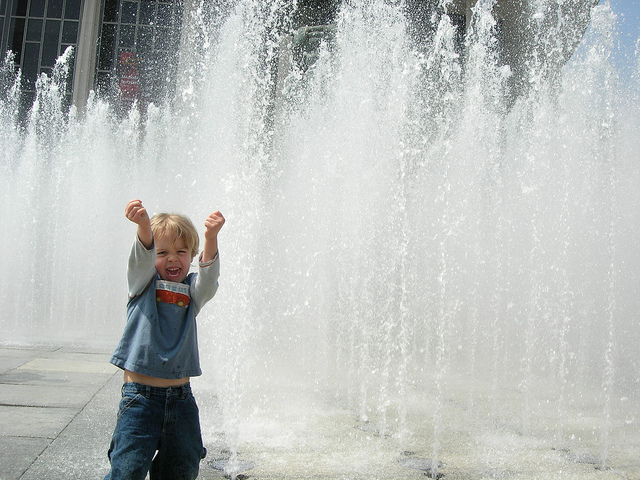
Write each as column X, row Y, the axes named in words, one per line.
column 18, row 453
column 53, row 396
column 11, row 358
column 80, row 451
column 34, row 422
column 76, row 363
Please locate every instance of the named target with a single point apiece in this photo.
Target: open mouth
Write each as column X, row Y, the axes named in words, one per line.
column 173, row 273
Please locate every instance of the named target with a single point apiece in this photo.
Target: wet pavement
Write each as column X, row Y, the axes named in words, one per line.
column 58, row 408
column 56, row 413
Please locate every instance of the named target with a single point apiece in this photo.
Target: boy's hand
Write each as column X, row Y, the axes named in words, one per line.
column 213, row 224
column 136, row 213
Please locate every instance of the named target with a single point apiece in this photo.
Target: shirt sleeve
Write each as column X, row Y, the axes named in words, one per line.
column 141, row 269
column 205, row 284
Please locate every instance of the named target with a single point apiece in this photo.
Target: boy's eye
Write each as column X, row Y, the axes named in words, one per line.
column 161, row 252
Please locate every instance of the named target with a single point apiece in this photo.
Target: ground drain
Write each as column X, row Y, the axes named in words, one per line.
column 422, row 464
column 232, row 468
column 581, row 457
column 372, row 428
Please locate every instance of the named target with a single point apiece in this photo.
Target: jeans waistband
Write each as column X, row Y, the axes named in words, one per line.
column 149, row 391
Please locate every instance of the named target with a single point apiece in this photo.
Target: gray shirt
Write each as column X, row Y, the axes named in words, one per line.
column 160, row 338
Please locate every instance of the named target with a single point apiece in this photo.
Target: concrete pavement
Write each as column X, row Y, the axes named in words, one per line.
column 58, row 409
column 57, row 413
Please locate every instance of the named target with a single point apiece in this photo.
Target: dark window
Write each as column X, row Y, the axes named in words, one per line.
column 127, row 36
column 37, row 8
column 34, row 30
column 54, row 9
column 70, row 32
column 111, row 8
column 164, row 38
column 19, row 8
column 107, row 41
column 50, row 43
column 26, row 102
column 165, row 14
column 147, row 12
column 72, row 62
column 459, row 22
column 30, row 64
column 72, row 9
column 129, row 12
column 145, row 39
column 17, row 37
column 104, row 82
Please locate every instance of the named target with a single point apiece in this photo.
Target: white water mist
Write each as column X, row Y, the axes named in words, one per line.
column 407, row 240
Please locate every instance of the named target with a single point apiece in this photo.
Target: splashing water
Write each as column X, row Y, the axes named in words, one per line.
column 408, row 241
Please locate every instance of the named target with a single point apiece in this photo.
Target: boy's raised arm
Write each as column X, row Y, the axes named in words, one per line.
column 135, row 212
column 212, row 226
column 141, row 267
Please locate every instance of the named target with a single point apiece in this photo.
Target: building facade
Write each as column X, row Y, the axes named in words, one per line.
column 128, row 49
column 37, row 32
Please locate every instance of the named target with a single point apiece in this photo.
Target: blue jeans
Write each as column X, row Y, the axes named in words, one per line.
column 162, row 420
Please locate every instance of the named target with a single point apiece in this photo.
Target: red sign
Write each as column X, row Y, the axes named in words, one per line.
column 129, row 84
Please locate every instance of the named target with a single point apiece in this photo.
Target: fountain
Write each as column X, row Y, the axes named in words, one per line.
column 424, row 271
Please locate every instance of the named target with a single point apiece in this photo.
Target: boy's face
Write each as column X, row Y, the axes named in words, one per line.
column 173, row 258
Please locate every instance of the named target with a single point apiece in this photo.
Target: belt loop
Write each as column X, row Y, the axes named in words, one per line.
column 147, row 391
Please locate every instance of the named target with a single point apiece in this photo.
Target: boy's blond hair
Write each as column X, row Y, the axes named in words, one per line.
column 178, row 226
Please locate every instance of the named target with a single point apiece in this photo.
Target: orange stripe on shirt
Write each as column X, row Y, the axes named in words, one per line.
column 172, row 297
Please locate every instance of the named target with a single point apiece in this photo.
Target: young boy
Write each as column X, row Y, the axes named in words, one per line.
column 158, row 350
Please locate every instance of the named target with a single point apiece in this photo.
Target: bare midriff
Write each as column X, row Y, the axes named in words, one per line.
column 153, row 381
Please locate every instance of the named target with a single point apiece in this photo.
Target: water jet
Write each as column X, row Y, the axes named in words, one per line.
column 409, row 245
